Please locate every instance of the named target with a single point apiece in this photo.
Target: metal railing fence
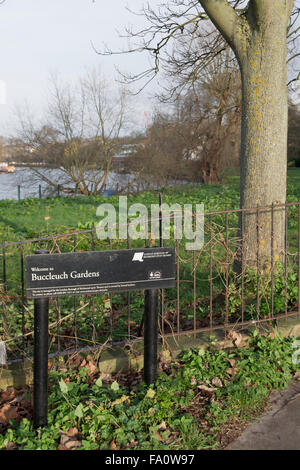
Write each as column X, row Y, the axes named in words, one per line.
column 210, row 293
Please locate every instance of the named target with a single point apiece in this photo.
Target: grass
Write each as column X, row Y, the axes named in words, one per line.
column 91, row 320
column 200, row 401
column 32, row 217
column 203, row 400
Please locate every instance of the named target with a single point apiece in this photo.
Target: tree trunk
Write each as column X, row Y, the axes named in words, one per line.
column 210, row 174
column 258, row 38
column 264, row 138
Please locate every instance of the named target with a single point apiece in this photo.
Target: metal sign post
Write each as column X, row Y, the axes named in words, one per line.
column 96, row 272
column 150, row 336
column 40, row 363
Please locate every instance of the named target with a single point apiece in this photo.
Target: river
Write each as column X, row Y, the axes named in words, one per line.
column 29, row 183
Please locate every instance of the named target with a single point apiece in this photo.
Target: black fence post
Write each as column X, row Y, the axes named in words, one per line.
column 40, row 366
column 150, row 335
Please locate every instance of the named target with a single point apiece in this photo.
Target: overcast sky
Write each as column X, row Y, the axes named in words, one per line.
column 38, row 37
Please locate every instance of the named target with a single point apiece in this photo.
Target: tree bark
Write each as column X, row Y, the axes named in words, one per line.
column 258, row 38
column 210, row 174
column 264, row 130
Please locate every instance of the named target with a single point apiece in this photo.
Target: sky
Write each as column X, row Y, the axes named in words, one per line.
column 40, row 37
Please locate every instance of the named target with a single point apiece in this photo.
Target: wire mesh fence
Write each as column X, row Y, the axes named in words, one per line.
column 218, row 286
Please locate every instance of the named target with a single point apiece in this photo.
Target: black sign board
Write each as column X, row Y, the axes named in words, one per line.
column 95, row 272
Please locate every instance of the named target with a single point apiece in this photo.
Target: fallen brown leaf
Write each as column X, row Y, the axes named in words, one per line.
column 69, row 440
column 105, row 376
column 72, row 432
column 232, row 362
column 75, row 360
column 205, row 388
column 162, row 426
column 113, row 445
column 133, row 443
column 235, row 337
column 217, row 382
column 11, row 446
column 92, row 367
column 232, row 371
column 8, row 394
column 297, row 375
column 173, row 436
column 8, row 412
column 193, row 381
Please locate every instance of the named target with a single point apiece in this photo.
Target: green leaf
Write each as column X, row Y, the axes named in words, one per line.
column 79, row 411
column 99, row 382
column 115, row 386
column 63, row 386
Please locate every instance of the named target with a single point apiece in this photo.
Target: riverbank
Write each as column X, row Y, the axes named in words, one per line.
column 24, row 183
column 32, row 217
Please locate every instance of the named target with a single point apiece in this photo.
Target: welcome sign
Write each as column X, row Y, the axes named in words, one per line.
column 60, row 274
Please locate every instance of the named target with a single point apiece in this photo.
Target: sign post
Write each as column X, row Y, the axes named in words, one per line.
column 40, row 363
column 150, row 335
column 95, row 272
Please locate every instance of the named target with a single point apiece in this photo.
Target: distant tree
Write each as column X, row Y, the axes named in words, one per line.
column 219, row 128
column 200, row 136
column 2, row 149
column 260, row 33
column 158, row 159
column 79, row 136
column 294, row 134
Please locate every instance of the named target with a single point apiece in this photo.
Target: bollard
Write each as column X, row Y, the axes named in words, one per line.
column 40, row 191
column 40, row 365
column 150, row 335
column 19, row 192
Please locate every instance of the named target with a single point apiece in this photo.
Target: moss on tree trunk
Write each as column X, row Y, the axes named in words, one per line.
column 258, row 37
